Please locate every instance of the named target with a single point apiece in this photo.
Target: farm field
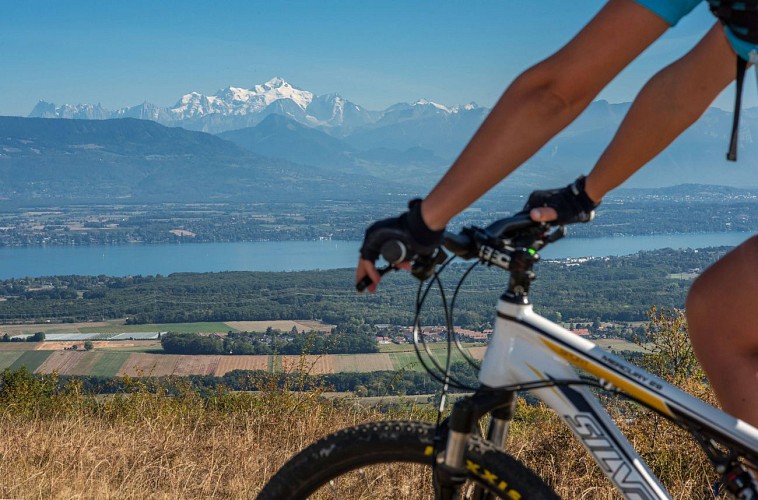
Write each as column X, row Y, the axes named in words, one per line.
column 31, row 360
column 118, row 326
column 285, row 326
column 619, row 345
column 144, row 358
column 7, row 358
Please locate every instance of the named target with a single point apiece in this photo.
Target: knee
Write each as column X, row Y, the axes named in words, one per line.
column 727, row 285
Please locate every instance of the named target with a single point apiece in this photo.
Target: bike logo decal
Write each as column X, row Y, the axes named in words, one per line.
column 617, row 380
column 615, row 466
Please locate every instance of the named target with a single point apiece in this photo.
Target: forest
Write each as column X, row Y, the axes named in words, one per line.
column 599, row 289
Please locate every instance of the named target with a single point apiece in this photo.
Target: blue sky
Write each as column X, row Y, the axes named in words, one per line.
column 373, row 53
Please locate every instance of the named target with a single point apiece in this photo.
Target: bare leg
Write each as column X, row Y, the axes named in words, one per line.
column 722, row 319
column 541, row 102
column 666, row 106
column 722, row 307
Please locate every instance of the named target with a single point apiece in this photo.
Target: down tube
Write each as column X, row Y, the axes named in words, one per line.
column 516, row 356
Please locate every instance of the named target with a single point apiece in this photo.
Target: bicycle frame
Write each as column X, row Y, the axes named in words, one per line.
column 527, row 347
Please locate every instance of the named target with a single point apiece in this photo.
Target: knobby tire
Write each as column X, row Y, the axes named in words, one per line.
column 325, row 463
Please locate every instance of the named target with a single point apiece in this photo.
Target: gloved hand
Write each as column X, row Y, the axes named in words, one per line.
column 418, row 241
column 409, row 228
column 571, row 203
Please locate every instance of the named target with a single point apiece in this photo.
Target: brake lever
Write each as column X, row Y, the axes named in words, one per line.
column 556, row 235
column 366, row 281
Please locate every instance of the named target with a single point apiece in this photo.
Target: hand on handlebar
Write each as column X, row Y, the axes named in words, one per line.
column 400, row 240
column 566, row 205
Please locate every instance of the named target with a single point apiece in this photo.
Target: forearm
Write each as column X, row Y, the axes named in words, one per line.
column 541, row 102
column 668, row 104
column 522, row 121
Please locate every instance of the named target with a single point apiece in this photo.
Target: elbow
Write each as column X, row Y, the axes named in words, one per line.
column 551, row 94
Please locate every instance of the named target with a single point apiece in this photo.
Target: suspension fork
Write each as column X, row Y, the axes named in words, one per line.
column 450, row 472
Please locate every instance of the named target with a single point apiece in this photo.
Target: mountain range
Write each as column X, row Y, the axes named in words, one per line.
column 408, row 146
column 234, row 108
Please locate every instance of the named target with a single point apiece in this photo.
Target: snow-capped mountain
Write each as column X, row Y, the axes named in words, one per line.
column 235, row 108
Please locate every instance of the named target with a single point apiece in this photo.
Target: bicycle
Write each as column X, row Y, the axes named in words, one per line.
column 526, row 352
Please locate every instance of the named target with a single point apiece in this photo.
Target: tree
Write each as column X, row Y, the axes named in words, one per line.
column 37, row 337
column 6, row 337
column 88, row 345
column 669, row 350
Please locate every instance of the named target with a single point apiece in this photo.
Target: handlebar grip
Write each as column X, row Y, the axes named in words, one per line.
column 394, row 251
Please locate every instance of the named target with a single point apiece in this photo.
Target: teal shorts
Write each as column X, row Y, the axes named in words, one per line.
column 672, row 11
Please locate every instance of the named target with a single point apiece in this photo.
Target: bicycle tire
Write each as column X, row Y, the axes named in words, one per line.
column 356, row 448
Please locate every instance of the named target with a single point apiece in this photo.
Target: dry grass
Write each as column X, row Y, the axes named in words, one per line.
column 222, row 445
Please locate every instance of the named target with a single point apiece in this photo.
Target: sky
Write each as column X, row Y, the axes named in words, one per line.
column 373, row 53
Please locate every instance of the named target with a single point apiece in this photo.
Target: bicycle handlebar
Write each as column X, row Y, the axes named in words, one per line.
column 473, row 242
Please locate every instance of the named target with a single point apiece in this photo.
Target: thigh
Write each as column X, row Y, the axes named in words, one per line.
column 727, row 294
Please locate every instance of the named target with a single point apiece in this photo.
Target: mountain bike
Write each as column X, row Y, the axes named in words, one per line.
column 527, row 352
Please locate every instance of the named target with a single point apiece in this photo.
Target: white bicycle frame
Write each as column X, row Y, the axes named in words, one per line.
column 527, row 347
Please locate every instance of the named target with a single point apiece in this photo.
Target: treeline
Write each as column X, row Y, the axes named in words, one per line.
column 607, row 289
column 384, row 383
column 270, row 342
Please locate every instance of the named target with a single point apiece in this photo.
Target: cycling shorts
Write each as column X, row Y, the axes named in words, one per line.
column 672, row 11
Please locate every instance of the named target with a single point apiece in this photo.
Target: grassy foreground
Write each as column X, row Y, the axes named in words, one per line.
column 171, row 442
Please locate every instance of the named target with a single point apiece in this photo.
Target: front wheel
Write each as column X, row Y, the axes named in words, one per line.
column 394, row 460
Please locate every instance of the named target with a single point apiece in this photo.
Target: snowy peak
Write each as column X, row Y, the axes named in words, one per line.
column 237, row 107
column 431, row 105
column 45, row 109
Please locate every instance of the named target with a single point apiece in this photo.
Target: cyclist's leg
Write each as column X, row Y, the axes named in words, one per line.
column 667, row 105
column 722, row 317
column 541, row 102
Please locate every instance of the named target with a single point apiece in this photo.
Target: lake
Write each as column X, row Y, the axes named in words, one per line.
column 124, row 260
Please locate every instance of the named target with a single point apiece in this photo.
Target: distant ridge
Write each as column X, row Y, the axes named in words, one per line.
column 129, row 160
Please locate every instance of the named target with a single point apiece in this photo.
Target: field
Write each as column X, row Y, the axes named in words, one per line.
column 118, row 326
column 285, row 326
column 160, row 365
column 7, row 358
column 619, row 345
column 135, row 357
column 31, row 360
column 230, row 363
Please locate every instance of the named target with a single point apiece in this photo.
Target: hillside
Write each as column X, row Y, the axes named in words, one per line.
column 129, row 160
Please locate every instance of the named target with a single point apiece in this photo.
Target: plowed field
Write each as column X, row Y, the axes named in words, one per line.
column 229, row 363
column 63, row 362
column 159, row 365
column 310, row 364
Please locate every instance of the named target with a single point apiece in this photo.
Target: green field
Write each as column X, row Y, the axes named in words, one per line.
column 432, row 346
column 161, row 327
column 31, row 360
column 109, row 364
column 7, row 358
column 619, row 345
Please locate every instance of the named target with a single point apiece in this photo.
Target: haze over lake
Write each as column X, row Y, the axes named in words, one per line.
column 124, row 260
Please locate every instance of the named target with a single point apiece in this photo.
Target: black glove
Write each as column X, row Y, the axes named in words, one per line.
column 571, row 203
column 409, row 228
